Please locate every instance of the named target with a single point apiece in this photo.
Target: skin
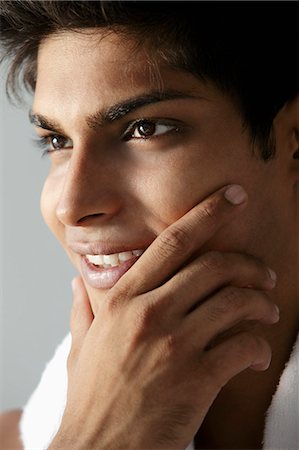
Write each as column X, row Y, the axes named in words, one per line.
column 102, row 188
column 9, row 434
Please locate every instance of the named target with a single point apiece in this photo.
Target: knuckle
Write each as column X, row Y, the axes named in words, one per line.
column 248, row 345
column 232, row 299
column 112, row 303
column 116, row 298
column 174, row 241
column 214, row 261
column 230, row 302
column 208, row 212
column 166, row 351
column 169, row 347
column 145, row 318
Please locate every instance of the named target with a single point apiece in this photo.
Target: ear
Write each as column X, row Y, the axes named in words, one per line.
column 286, row 129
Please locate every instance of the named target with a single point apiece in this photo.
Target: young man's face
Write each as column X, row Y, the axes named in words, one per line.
column 111, row 189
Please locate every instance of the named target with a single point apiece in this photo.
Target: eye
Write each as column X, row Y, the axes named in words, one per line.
column 56, row 142
column 53, row 143
column 145, row 129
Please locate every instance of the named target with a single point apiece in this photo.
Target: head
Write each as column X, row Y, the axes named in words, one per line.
column 150, row 107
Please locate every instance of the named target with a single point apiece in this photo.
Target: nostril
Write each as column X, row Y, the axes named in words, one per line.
column 85, row 219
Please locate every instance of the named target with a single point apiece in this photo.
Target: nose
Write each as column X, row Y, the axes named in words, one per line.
column 89, row 192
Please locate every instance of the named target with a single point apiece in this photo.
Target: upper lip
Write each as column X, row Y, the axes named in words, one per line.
column 105, row 248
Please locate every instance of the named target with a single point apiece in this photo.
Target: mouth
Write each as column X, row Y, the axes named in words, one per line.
column 103, row 271
column 112, row 260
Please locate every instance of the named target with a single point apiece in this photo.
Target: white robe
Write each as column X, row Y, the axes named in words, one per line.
column 42, row 414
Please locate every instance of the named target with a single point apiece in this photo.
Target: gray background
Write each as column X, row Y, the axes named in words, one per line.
column 35, row 274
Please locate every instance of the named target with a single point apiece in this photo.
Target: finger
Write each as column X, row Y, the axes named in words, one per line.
column 228, row 308
column 81, row 314
column 207, row 274
column 232, row 356
column 181, row 239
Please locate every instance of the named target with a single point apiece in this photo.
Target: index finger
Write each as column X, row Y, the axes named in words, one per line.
column 172, row 248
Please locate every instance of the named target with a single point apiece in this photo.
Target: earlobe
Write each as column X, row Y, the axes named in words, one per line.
column 286, row 126
column 294, row 144
column 296, row 153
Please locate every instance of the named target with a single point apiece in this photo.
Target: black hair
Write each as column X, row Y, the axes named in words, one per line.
column 248, row 49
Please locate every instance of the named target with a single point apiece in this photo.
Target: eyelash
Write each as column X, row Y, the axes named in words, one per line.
column 44, row 142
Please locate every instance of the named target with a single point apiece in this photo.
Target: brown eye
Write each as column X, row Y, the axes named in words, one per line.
column 145, row 129
column 57, row 142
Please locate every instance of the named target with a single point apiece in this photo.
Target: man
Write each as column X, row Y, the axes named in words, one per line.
column 172, row 130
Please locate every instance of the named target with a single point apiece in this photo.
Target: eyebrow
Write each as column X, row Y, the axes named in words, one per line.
column 115, row 112
column 120, row 110
column 43, row 122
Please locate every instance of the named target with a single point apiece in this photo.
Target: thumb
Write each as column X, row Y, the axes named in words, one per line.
column 81, row 313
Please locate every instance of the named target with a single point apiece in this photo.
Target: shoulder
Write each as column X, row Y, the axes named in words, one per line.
column 9, row 430
column 43, row 412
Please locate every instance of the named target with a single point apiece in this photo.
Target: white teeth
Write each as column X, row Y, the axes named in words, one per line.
column 113, row 260
column 95, row 259
column 124, row 256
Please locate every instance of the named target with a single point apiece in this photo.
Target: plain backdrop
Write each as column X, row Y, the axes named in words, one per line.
column 35, row 274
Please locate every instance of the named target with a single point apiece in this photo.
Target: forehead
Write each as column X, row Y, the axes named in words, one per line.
column 96, row 66
column 84, row 51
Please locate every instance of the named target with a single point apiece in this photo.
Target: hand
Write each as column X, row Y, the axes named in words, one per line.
column 144, row 372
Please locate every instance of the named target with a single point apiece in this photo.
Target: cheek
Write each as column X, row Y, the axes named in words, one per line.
column 174, row 186
column 48, row 205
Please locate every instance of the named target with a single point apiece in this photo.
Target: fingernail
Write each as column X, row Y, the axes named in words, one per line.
column 272, row 275
column 235, row 194
column 277, row 310
column 276, row 316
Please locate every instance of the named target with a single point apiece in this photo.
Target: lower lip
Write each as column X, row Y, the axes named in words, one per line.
column 100, row 278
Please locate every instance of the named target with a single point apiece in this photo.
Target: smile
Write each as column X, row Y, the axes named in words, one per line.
column 103, row 271
column 112, row 260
